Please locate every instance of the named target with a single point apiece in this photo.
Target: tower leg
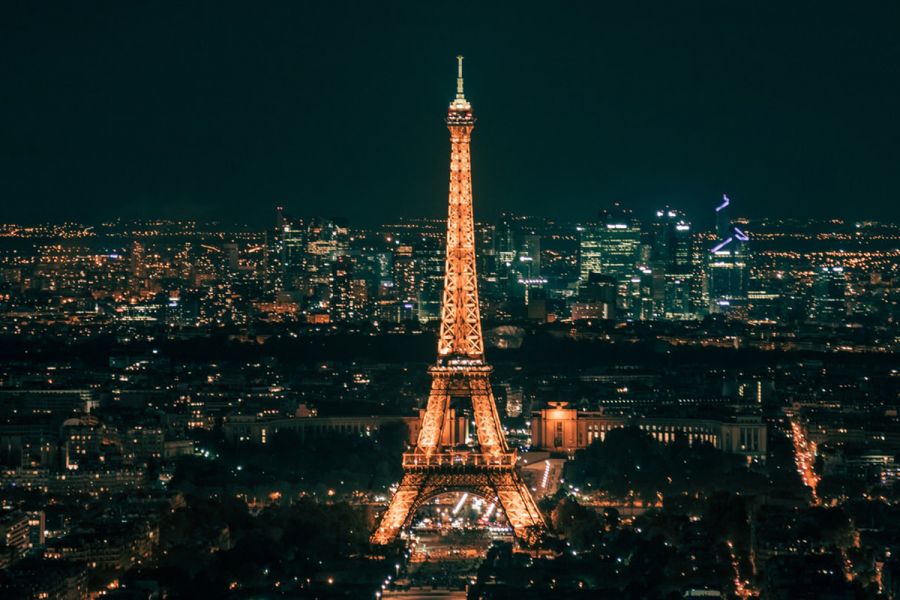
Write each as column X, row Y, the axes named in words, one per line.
column 517, row 502
column 487, row 421
column 433, row 423
column 400, row 509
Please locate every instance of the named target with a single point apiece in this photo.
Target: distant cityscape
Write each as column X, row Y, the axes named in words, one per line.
column 785, row 284
column 152, row 370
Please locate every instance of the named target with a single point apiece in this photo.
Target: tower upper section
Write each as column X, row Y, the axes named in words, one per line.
column 460, row 334
column 460, row 111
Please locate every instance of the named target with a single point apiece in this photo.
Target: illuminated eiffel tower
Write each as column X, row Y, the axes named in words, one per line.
column 435, row 467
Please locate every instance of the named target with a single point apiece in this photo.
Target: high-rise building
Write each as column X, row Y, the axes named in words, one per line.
column 138, row 266
column 530, row 256
column 678, row 297
column 504, row 238
column 429, row 259
column 671, row 243
column 829, row 295
column 405, row 276
column 646, row 290
column 292, row 235
column 517, row 250
column 727, row 265
column 620, row 242
column 138, row 269
column 611, row 246
column 341, row 304
column 589, row 243
column 672, row 253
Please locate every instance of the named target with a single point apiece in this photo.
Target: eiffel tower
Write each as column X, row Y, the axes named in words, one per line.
column 435, row 468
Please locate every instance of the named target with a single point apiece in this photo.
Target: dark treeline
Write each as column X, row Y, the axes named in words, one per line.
column 295, row 464
column 542, row 346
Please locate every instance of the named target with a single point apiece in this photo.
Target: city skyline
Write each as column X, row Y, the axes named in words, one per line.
column 638, row 105
column 366, row 396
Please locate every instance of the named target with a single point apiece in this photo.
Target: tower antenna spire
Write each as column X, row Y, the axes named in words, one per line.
column 460, row 107
column 459, row 79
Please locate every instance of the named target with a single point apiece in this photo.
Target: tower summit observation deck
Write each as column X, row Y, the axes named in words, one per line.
column 435, row 467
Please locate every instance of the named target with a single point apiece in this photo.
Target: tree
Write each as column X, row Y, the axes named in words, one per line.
column 581, row 526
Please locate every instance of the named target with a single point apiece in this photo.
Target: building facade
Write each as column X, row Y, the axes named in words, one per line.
column 563, row 429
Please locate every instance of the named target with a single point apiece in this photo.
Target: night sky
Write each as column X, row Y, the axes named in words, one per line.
column 221, row 110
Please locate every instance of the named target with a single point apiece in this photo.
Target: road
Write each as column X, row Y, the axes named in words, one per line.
column 805, row 457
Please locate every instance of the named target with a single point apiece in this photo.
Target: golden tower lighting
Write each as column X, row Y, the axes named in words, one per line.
column 434, row 467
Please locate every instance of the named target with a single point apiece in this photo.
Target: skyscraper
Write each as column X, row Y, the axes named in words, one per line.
column 292, row 235
column 672, row 252
column 611, row 246
column 620, row 242
column 829, row 295
column 341, row 303
column 530, row 256
column 727, row 265
column 589, row 241
column 671, row 241
column 405, row 275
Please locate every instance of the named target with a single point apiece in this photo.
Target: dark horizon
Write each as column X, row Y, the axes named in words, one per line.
column 219, row 112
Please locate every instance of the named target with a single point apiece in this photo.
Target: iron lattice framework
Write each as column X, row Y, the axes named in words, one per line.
column 461, row 372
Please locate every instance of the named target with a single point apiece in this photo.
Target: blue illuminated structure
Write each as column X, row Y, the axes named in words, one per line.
column 727, row 265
